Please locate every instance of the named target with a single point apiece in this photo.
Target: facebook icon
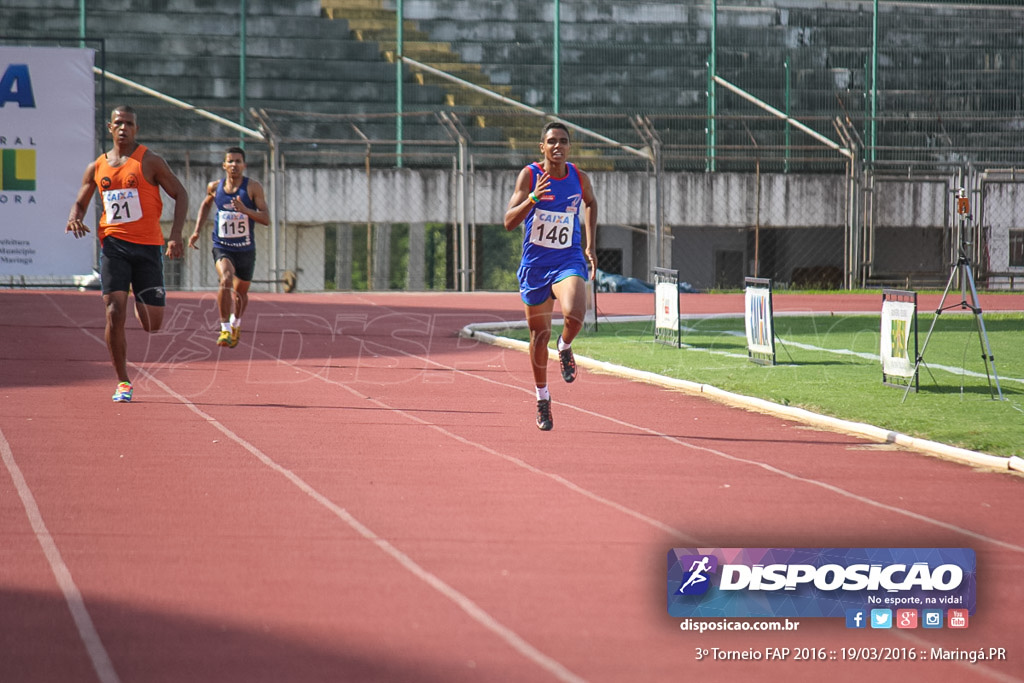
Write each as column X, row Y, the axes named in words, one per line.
column 856, row 618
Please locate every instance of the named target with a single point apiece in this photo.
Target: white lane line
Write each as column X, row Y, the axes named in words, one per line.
column 510, row 637
column 477, row 613
column 633, row 513
column 86, row 629
column 848, row 352
column 675, row 440
column 691, row 541
column 471, row 608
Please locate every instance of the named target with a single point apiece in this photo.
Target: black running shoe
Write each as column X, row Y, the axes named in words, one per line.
column 568, row 363
column 544, row 422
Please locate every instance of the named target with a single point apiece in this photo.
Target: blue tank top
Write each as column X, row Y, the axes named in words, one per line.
column 233, row 229
column 552, row 228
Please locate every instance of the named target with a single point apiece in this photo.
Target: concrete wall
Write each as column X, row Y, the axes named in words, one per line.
column 691, row 199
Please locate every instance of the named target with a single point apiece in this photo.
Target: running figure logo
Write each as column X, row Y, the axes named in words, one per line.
column 696, row 580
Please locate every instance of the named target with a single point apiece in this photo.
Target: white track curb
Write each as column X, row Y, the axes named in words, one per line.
column 1012, row 463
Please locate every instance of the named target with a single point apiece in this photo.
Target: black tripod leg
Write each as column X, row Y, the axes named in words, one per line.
column 986, row 349
column 927, row 337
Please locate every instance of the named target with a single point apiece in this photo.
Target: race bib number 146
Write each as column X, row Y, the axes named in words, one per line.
column 552, row 229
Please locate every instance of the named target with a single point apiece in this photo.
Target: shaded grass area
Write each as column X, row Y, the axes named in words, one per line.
column 829, row 365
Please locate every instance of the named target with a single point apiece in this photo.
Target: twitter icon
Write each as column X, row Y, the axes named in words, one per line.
column 881, row 618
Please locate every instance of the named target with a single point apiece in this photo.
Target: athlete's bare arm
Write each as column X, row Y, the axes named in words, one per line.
column 589, row 223
column 204, row 213
column 260, row 214
column 520, row 204
column 156, row 170
column 81, row 205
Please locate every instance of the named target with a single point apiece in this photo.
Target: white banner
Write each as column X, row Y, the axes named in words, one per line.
column 47, row 138
column 666, row 306
column 758, row 320
column 897, row 321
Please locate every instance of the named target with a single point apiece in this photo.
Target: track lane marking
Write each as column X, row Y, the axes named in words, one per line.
column 98, row 655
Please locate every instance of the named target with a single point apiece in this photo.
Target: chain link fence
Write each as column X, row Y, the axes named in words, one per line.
column 359, row 213
column 689, row 174
column 354, row 212
column 1000, row 256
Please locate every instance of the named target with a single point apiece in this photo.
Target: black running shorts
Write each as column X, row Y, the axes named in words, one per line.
column 243, row 261
column 138, row 266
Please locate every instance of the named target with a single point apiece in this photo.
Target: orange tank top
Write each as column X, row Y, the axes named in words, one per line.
column 131, row 205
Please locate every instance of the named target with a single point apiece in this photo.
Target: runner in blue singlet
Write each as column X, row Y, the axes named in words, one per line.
column 239, row 204
column 547, row 201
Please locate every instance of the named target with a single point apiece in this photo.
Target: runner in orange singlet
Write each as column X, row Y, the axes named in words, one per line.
column 129, row 178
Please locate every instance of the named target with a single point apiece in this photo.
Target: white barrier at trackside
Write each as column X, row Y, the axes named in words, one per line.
column 1013, row 463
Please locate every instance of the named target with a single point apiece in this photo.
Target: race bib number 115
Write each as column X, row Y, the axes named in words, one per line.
column 232, row 224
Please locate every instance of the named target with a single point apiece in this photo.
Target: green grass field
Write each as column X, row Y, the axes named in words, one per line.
column 830, row 365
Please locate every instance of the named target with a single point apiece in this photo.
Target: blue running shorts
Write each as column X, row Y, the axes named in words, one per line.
column 535, row 281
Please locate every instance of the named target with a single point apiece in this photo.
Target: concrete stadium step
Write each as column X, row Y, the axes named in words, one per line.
column 460, row 30
column 284, row 8
column 264, row 90
column 189, row 125
column 197, row 25
column 311, row 70
column 387, row 34
column 184, row 45
column 370, row 21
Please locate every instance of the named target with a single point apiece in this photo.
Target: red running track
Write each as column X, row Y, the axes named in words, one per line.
column 357, row 494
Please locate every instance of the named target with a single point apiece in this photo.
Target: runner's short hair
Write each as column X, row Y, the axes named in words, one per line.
column 125, row 108
column 551, row 126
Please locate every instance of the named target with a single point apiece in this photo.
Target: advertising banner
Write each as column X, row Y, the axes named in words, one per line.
column 666, row 308
column 897, row 323
column 47, row 138
column 758, row 320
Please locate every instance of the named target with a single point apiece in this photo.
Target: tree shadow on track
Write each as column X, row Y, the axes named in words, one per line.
column 38, row 642
column 323, row 332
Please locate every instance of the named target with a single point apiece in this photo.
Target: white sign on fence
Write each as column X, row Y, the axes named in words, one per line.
column 897, row 323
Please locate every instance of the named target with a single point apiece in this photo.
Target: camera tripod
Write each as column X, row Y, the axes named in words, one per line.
column 961, row 271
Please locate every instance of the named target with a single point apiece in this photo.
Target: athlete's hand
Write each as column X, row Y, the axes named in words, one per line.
column 592, row 262
column 543, row 183
column 76, row 227
column 237, row 205
column 174, row 249
column 193, row 238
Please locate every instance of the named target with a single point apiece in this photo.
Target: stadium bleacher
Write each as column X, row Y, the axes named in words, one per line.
column 616, row 57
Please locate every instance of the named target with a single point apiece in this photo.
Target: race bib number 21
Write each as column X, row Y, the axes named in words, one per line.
column 552, row 229
column 121, row 206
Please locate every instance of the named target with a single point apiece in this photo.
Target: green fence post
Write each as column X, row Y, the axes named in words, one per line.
column 874, row 81
column 557, row 62
column 709, row 163
column 788, row 114
column 399, row 53
column 242, row 32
